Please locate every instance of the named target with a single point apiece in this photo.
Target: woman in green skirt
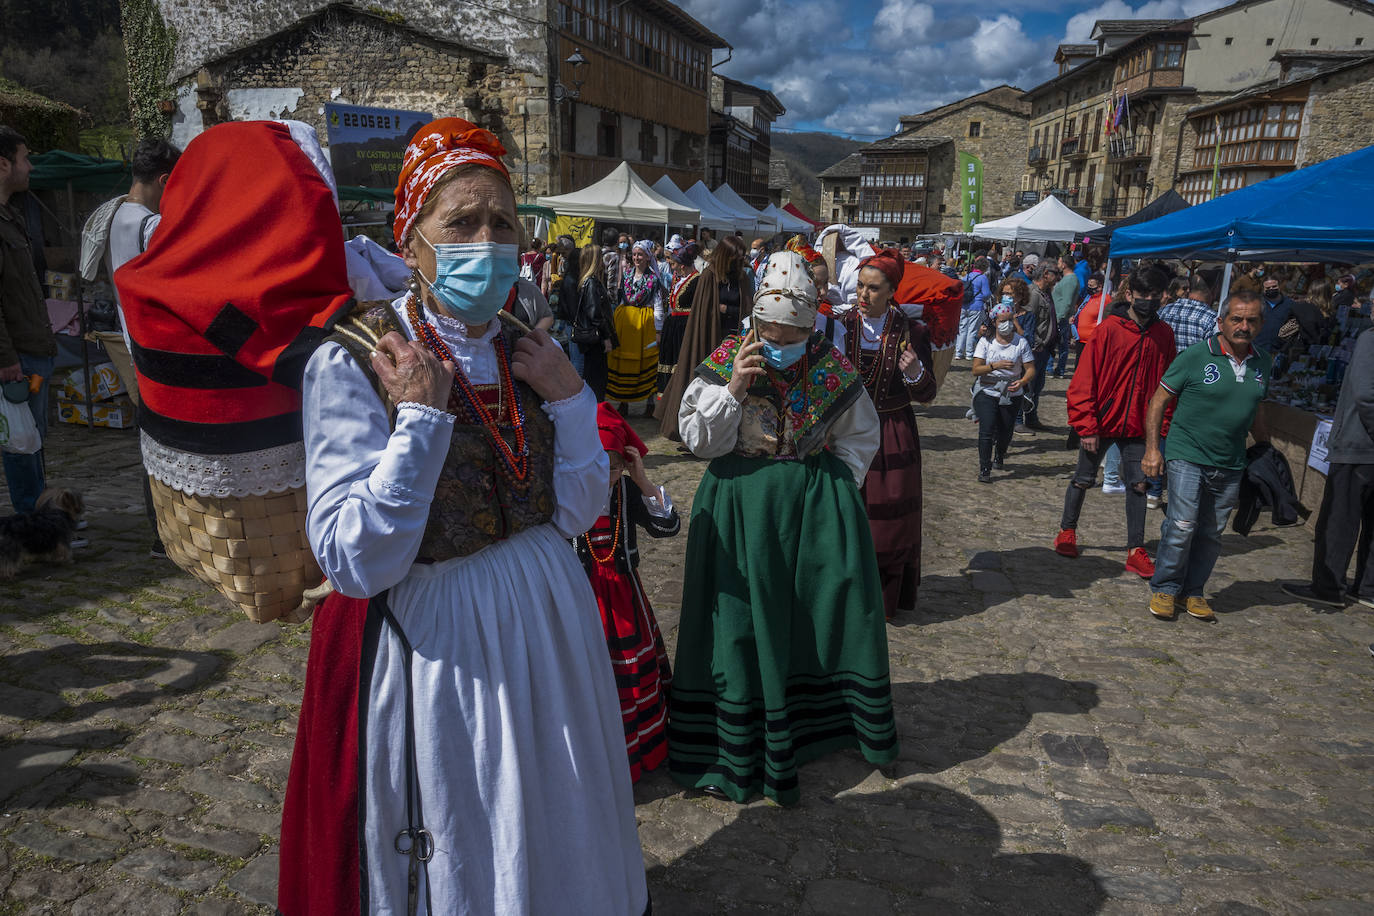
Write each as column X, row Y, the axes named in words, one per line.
column 782, row 647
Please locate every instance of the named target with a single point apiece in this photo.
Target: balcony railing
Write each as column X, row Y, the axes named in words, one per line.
column 1067, row 196
column 1128, row 146
column 1038, row 155
column 1070, row 147
column 1112, row 208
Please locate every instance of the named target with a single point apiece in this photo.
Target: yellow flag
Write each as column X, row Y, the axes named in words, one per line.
column 579, row 227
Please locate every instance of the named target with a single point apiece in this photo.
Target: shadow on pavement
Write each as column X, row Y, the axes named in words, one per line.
column 947, row 722
column 112, row 675
column 873, row 850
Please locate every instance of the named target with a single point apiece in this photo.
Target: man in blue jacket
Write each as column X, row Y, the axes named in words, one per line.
column 1348, row 501
column 972, row 318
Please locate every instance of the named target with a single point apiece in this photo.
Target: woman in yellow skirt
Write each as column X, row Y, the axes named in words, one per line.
column 633, row 364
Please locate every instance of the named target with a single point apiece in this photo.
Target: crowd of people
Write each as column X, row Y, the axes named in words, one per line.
column 462, row 740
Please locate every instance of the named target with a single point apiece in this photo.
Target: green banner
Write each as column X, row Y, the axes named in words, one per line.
column 971, row 176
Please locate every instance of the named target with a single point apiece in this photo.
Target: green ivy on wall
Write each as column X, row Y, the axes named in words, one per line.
column 149, row 46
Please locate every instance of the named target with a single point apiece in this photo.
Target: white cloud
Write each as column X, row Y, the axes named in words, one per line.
column 902, row 23
column 1079, row 27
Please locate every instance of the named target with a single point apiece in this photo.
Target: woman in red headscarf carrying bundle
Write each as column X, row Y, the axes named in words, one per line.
column 892, row 354
column 460, row 748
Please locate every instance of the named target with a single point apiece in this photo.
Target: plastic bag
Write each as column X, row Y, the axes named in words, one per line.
column 18, row 432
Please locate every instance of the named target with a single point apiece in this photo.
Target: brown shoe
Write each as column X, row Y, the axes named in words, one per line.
column 1199, row 609
column 1162, row 606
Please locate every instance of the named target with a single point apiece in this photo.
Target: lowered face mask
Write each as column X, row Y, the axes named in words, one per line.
column 781, row 356
column 1004, row 328
column 473, row 279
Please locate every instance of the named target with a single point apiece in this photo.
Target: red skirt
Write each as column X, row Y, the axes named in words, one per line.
column 642, row 672
column 892, row 494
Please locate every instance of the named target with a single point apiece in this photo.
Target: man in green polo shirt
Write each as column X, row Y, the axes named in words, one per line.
column 1218, row 383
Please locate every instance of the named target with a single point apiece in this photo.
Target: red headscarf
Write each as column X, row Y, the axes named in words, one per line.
column 616, row 434
column 234, row 291
column 435, row 149
column 890, row 263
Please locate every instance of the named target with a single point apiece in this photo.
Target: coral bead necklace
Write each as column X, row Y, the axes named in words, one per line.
column 516, row 460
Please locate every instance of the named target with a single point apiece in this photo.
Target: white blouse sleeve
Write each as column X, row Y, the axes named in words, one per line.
column 369, row 487
column 580, row 468
column 856, row 436
column 660, row 309
column 708, row 419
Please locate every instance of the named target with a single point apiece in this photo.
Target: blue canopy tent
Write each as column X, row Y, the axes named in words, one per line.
column 1324, row 212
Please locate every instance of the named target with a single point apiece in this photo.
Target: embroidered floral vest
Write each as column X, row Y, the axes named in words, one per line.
column 475, row 502
column 787, row 415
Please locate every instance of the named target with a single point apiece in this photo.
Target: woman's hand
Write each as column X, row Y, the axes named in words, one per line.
column 748, row 364
column 907, row 360
column 1015, row 386
column 634, row 462
column 542, row 364
column 1002, row 364
column 606, row 347
column 409, row 372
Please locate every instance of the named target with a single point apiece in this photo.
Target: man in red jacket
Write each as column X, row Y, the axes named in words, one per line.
column 1118, row 372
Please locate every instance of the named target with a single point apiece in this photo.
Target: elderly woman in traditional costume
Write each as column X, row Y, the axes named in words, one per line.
column 782, row 652
column 892, row 355
column 633, row 364
column 460, row 747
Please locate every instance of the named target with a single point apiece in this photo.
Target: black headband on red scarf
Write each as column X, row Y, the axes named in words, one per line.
column 234, row 292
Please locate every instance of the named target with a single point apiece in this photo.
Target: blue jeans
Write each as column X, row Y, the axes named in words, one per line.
column 1154, row 486
column 967, row 342
column 1111, row 467
column 24, row 474
column 579, row 362
column 1200, row 502
column 1061, row 365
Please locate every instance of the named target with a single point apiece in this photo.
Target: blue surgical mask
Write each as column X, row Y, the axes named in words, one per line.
column 780, row 356
column 624, row 246
column 473, row 280
column 1008, row 301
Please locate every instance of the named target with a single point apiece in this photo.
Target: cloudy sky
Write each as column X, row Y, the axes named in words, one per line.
column 854, row 67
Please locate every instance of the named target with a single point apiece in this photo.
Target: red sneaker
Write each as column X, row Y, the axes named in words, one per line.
column 1138, row 561
column 1066, row 543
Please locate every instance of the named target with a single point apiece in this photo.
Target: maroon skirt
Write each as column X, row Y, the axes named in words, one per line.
column 892, row 494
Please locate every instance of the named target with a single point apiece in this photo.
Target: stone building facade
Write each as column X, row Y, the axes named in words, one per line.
column 740, row 145
column 992, row 126
column 840, row 191
column 640, row 95
column 1168, row 78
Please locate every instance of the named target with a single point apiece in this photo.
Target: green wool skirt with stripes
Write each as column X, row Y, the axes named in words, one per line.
column 782, row 645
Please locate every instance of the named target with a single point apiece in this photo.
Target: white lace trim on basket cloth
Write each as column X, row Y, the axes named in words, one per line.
column 270, row 470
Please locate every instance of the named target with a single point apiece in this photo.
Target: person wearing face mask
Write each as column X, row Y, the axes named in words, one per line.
column 1118, row 372
column 781, row 647
column 893, row 357
column 1002, row 369
column 458, row 698
column 610, row 554
column 1278, row 308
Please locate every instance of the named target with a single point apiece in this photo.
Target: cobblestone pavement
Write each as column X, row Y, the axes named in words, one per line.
column 1062, row 751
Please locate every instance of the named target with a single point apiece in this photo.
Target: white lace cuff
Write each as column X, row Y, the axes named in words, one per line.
column 432, row 412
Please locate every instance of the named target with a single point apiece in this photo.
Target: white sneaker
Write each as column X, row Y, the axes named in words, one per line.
column 78, row 543
column 1151, row 502
column 1113, row 490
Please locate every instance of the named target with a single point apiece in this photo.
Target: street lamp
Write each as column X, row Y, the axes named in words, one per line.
column 576, row 61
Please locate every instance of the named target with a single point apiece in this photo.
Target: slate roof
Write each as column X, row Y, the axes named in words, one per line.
column 848, row 167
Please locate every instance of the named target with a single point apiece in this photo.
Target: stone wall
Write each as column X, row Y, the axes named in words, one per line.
column 1002, row 148
column 1336, row 118
column 363, row 60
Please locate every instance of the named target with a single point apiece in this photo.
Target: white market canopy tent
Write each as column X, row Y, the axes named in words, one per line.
column 712, row 215
column 701, row 196
column 786, row 221
column 1047, row 221
column 622, row 196
column 731, row 200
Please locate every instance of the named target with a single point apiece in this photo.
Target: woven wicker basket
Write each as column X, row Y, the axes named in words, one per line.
column 252, row 548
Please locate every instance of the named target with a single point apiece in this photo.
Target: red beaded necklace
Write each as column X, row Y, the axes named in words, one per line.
column 517, row 460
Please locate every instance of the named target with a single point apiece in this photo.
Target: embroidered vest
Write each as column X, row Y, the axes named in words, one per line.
column 793, row 420
column 475, row 503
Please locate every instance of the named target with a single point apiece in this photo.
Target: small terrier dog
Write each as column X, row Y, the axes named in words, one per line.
column 45, row 534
